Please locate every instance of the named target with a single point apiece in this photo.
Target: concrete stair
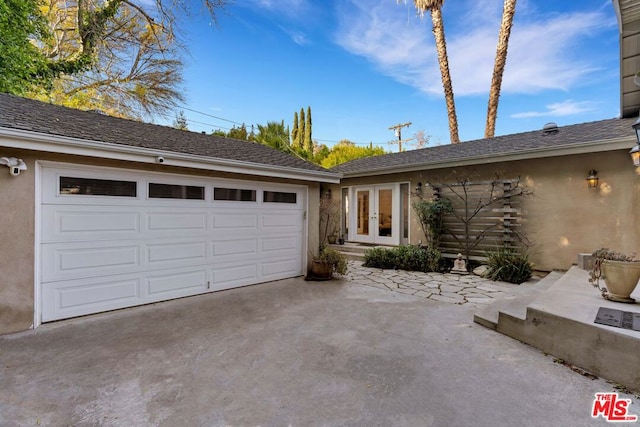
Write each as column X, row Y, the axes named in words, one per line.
column 354, row 251
column 515, row 305
column 556, row 315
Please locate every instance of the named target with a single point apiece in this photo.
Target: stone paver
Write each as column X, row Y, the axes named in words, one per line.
column 451, row 288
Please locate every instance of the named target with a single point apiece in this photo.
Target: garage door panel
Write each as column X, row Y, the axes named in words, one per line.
column 83, row 259
column 225, row 277
column 244, row 247
column 173, row 284
column 176, row 221
column 281, row 221
column 280, row 243
column 172, row 252
column 62, row 223
column 235, row 220
column 279, row 269
column 79, row 297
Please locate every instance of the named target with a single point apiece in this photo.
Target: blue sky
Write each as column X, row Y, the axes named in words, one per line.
column 365, row 65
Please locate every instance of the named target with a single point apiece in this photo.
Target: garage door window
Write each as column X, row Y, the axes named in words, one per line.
column 234, row 194
column 97, row 187
column 170, row 191
column 279, row 197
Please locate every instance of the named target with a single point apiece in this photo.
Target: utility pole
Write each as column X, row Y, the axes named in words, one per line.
column 398, row 129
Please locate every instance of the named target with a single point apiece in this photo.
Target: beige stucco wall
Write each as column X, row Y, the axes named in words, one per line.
column 17, row 232
column 17, row 229
column 563, row 217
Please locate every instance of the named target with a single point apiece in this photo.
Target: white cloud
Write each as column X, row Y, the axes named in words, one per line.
column 285, row 7
column 543, row 49
column 558, row 109
column 298, row 37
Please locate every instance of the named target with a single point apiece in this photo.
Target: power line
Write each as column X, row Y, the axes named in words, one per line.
column 168, row 116
column 208, row 115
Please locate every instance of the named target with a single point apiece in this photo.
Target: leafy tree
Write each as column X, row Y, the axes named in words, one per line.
column 274, row 135
column 301, row 130
column 136, row 71
column 320, row 152
column 22, row 64
column 238, row 132
column 308, row 143
column 181, row 121
column 295, row 130
column 219, row 132
column 118, row 56
column 346, row 151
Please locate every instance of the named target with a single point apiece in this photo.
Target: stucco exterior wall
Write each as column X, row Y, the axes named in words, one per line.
column 563, row 217
column 17, row 227
column 17, row 232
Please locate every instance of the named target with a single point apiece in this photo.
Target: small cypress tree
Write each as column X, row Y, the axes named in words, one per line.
column 294, row 132
column 308, row 143
column 301, row 129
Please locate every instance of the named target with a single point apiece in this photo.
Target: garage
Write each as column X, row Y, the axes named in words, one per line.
column 113, row 238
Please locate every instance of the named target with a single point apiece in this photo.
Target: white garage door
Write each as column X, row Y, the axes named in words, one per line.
column 112, row 238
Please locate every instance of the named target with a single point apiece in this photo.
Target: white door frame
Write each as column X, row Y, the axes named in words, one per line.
column 372, row 229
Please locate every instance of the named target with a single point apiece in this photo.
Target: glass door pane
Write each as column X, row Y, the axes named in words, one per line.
column 385, row 209
column 363, row 212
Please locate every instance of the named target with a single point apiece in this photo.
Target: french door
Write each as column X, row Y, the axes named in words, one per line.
column 376, row 214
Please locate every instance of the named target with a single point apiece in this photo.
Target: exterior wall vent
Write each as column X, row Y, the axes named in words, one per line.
column 550, row 128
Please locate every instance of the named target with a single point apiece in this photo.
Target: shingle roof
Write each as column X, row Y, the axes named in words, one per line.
column 566, row 136
column 35, row 116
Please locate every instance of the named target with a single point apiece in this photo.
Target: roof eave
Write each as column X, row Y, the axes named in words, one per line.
column 537, row 153
column 29, row 140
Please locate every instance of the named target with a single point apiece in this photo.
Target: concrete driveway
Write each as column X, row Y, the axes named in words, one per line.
column 287, row 353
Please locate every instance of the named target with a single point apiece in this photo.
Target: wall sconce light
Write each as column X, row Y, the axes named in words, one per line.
column 15, row 165
column 592, row 179
column 635, row 151
column 419, row 189
column 327, row 194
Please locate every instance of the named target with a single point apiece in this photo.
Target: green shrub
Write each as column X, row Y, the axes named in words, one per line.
column 380, row 258
column 508, row 266
column 407, row 257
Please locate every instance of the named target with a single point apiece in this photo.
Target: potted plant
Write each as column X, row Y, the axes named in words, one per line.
column 327, row 262
column 620, row 272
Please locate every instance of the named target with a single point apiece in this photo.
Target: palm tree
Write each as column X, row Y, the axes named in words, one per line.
column 435, row 7
column 508, row 10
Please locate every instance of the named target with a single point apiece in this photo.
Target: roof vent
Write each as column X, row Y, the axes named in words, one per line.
column 550, row 128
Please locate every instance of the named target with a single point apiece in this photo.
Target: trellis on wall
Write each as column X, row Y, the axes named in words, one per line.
column 485, row 216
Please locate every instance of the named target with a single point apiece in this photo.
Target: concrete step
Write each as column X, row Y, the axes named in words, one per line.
column 560, row 321
column 514, row 306
column 354, row 251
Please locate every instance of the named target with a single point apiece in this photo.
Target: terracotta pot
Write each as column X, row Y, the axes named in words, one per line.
column 321, row 270
column 621, row 278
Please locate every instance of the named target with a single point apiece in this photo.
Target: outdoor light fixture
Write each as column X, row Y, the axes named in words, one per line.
column 15, row 165
column 635, row 151
column 419, row 189
column 327, row 194
column 592, row 179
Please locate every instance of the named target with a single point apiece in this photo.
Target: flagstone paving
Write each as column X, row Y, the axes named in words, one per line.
column 452, row 288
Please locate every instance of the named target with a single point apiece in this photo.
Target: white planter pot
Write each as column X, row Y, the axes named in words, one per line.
column 621, row 278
